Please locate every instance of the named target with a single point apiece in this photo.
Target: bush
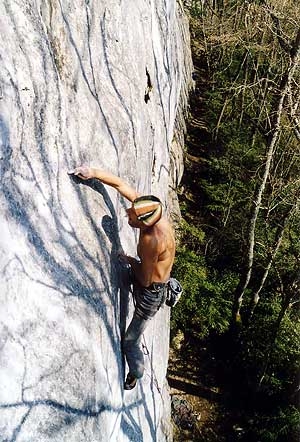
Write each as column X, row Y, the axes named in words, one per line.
column 205, row 305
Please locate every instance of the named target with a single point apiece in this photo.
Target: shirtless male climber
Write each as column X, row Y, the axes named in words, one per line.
column 151, row 272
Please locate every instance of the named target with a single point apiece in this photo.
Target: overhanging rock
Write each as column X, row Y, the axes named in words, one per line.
column 99, row 82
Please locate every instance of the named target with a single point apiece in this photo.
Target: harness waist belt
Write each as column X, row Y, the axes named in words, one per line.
column 156, row 286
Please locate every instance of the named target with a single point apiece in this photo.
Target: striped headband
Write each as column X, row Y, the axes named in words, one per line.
column 148, row 209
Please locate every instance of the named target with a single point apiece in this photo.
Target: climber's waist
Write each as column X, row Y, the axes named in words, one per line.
column 149, row 299
column 156, row 286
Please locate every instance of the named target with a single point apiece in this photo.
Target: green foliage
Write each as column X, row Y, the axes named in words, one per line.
column 206, row 302
column 274, row 427
column 270, row 356
column 196, row 8
column 190, row 235
column 241, row 61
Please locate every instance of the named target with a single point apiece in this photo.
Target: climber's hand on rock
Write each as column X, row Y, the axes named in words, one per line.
column 126, row 259
column 84, row 172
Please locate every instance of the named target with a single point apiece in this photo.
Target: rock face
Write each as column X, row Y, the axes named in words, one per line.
column 99, row 82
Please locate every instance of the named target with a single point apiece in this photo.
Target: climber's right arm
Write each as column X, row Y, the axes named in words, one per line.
column 86, row 172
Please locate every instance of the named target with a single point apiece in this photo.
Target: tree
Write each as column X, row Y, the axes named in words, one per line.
column 242, row 185
column 276, row 115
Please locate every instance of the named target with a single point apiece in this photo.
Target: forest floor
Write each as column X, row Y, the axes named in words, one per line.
column 201, row 411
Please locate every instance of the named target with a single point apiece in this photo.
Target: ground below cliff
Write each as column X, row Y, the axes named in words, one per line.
column 201, row 407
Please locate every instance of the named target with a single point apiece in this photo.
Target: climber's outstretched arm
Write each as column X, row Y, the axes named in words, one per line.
column 86, row 172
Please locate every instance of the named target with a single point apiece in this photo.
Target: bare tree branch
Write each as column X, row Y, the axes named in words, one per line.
column 276, row 128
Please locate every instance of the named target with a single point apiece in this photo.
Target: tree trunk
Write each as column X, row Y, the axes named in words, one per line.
column 286, row 304
column 256, row 295
column 276, row 127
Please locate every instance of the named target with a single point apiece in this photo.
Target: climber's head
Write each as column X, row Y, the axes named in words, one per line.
column 145, row 211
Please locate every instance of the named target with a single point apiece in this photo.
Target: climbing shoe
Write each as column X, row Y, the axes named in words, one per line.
column 130, row 382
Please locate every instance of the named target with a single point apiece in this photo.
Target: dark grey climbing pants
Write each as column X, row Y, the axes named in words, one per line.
column 147, row 303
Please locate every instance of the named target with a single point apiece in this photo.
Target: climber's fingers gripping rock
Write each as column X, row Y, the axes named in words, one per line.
column 84, row 172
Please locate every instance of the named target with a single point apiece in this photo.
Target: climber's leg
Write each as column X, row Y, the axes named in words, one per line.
column 147, row 303
column 132, row 346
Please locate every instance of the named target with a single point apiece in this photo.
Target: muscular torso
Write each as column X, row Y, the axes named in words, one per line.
column 156, row 249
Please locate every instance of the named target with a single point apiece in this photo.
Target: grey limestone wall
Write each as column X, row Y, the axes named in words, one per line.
column 99, row 82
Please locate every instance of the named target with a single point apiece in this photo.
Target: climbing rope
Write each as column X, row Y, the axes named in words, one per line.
column 147, row 353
